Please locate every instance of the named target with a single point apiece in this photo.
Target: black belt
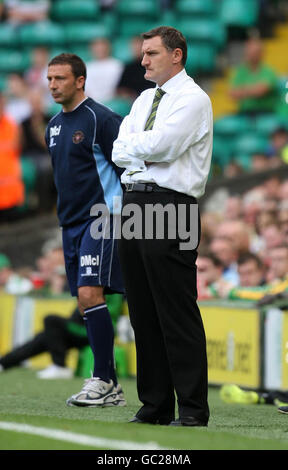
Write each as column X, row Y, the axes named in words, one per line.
column 147, row 188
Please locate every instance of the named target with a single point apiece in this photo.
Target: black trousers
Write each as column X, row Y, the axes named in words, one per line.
column 56, row 338
column 160, row 281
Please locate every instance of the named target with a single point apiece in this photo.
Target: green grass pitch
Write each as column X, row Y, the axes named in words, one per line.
column 24, row 399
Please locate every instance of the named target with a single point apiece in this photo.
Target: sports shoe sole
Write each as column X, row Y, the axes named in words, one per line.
column 118, row 402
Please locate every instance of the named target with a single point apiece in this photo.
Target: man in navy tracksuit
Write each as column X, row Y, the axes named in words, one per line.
column 80, row 139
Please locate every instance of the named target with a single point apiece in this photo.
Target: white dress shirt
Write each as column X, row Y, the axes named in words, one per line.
column 180, row 144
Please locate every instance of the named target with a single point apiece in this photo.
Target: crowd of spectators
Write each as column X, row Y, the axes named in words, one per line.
column 47, row 277
column 243, row 252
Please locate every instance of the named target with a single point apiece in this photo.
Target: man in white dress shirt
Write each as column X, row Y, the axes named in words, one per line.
column 165, row 146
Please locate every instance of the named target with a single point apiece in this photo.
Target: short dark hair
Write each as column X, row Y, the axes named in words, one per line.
column 77, row 65
column 246, row 257
column 171, row 38
column 204, row 252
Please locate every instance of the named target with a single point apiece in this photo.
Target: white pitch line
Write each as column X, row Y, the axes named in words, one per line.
column 82, row 439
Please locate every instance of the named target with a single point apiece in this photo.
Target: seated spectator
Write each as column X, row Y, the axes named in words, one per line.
column 36, row 75
column 17, row 102
column 260, row 162
column 233, row 208
column 276, row 279
column 33, row 127
column 209, row 275
column 278, row 148
column 10, row 281
column 254, row 84
column 26, row 11
column 132, row 81
column 226, row 252
column 12, row 189
column 103, row 72
column 235, row 231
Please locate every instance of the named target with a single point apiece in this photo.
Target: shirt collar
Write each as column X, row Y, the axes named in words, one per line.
column 175, row 82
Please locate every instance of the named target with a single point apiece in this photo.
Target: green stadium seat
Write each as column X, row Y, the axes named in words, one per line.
column 82, row 51
column 9, row 36
column 79, row 33
column 232, row 125
column 3, row 82
column 250, row 143
column 146, row 9
column 200, row 58
column 196, row 7
column 244, row 161
column 44, row 33
column 128, row 28
column 121, row 49
column 282, row 107
column 268, row 123
column 241, row 13
column 221, row 154
column 14, row 61
column 68, row 10
column 203, row 30
column 53, row 109
column 119, row 105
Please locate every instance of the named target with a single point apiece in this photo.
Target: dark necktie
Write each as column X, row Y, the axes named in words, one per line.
column 151, row 119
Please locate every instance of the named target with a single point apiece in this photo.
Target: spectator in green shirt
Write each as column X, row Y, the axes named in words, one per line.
column 254, row 84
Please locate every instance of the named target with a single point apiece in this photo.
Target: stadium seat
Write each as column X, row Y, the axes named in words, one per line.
column 241, row 13
column 196, row 7
column 268, row 123
column 53, row 109
column 121, row 49
column 44, row 33
column 82, row 51
column 200, row 58
column 128, row 28
column 9, row 36
column 119, row 105
column 14, row 61
column 250, row 143
column 203, row 30
column 146, row 9
column 221, row 152
column 83, row 33
column 3, row 82
column 232, row 125
column 68, row 10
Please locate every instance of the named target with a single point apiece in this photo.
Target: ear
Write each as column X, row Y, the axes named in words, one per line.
column 80, row 82
column 177, row 55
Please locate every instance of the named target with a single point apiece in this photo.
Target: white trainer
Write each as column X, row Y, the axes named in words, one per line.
column 55, row 372
column 120, row 396
column 95, row 392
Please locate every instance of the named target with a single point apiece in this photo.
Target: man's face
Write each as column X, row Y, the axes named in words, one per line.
column 207, row 271
column 279, row 262
column 63, row 84
column 158, row 61
column 250, row 274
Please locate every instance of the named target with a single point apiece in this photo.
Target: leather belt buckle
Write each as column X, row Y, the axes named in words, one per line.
column 129, row 186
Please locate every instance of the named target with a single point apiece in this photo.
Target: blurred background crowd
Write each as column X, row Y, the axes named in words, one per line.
column 236, row 52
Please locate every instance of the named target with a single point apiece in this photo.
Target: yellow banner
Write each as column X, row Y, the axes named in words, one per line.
column 233, row 345
column 7, row 307
column 285, row 351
